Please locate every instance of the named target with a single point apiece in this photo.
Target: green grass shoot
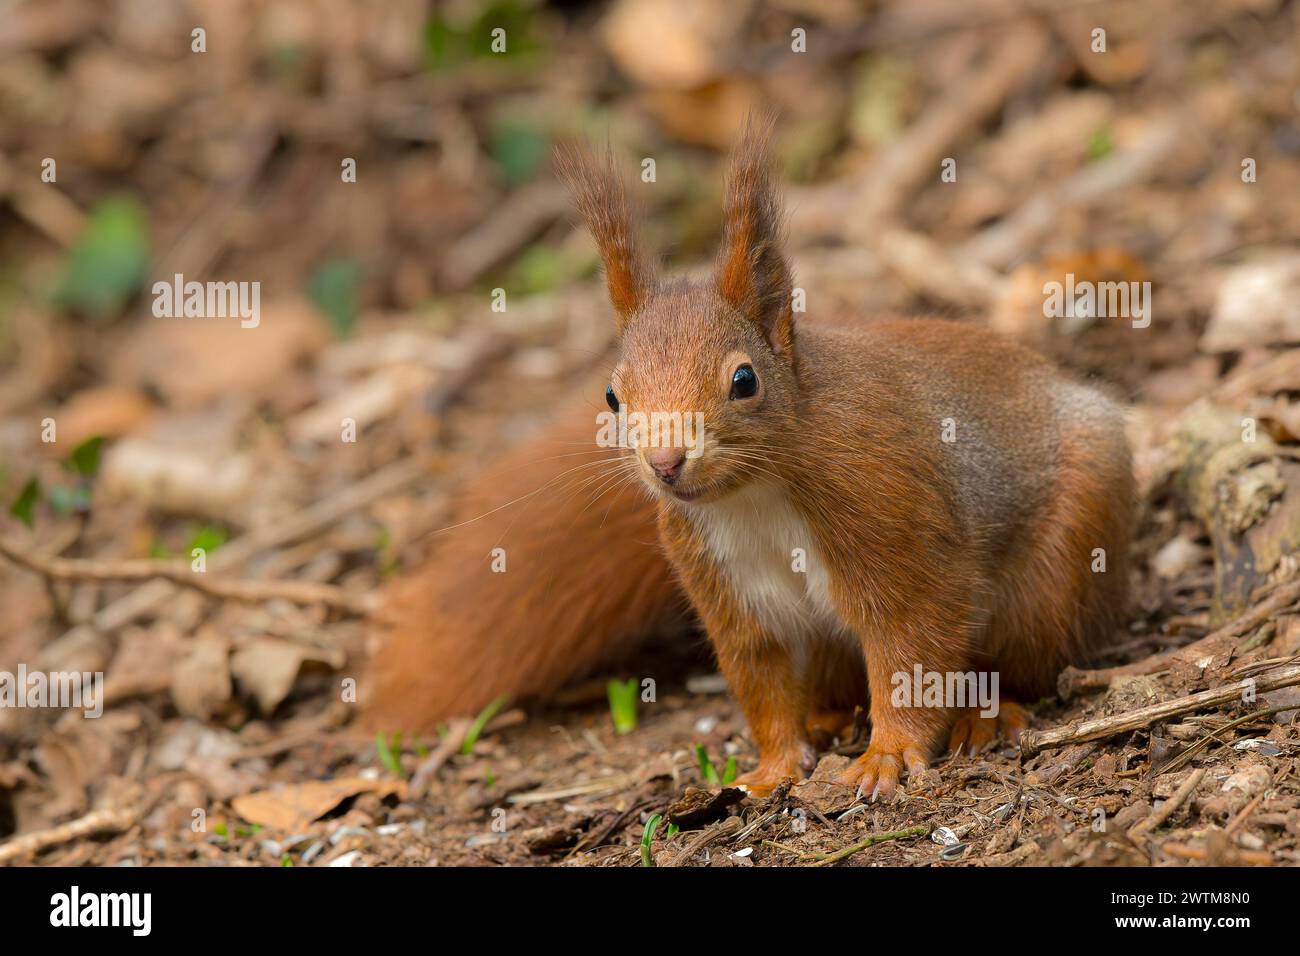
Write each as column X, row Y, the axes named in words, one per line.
column 623, row 704
column 481, row 721
column 647, row 836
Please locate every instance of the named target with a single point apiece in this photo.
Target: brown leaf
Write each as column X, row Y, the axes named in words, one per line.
column 697, row 807
column 822, row 791
column 293, row 807
column 201, row 684
column 266, row 668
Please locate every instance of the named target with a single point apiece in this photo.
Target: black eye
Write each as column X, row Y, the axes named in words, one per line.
column 744, row 384
column 610, row 398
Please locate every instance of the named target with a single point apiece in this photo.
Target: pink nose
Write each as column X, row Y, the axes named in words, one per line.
column 666, row 462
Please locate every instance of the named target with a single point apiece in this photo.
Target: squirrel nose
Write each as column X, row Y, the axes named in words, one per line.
column 667, row 463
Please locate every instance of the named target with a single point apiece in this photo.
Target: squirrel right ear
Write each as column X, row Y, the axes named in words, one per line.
column 602, row 201
column 752, row 273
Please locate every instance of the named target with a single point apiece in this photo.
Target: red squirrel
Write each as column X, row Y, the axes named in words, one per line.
column 865, row 500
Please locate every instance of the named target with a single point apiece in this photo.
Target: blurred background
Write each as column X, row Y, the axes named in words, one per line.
column 1155, row 141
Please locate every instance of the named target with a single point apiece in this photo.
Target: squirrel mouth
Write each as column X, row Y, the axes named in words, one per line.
column 687, row 494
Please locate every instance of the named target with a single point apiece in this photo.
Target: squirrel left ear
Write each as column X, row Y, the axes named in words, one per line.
column 603, row 203
column 752, row 272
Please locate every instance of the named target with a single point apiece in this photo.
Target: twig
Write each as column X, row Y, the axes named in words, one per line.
column 305, row 523
column 98, row 821
column 1032, row 742
column 424, row 774
column 721, row 831
column 1185, row 852
column 300, row 592
column 514, row 223
column 936, row 271
column 855, row 207
column 597, row 838
column 1194, row 749
column 848, row 851
column 1246, row 811
column 1167, row 809
column 789, row 849
column 602, row 787
column 1072, row 681
column 1002, row 243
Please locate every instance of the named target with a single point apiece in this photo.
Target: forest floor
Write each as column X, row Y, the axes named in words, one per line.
column 223, row 739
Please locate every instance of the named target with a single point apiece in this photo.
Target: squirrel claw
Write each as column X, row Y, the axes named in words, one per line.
column 875, row 774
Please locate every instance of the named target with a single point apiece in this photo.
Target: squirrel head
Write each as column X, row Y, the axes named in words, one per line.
column 706, row 372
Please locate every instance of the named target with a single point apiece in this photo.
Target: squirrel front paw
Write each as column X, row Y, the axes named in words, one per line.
column 875, row 773
column 772, row 771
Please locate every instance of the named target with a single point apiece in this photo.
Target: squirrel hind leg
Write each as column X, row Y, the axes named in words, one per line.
column 974, row 733
column 1064, row 596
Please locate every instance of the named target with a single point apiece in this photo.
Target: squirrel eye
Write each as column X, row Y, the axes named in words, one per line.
column 610, row 398
column 744, row 383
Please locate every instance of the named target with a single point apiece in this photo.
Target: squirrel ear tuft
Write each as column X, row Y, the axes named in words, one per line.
column 752, row 272
column 603, row 204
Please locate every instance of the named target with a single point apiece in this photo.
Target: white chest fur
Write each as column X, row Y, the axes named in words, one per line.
column 770, row 558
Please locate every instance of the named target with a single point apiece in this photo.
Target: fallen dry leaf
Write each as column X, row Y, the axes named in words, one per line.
column 293, row 807
column 267, row 667
column 201, row 683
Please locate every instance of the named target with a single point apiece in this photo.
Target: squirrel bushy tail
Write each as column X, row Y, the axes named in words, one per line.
column 584, row 584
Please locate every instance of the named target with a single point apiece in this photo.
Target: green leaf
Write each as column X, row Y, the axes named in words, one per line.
column 707, row 770
column 448, row 43
column 109, row 261
column 648, row 835
column 67, row 501
column 390, row 755
column 623, row 704
column 481, row 721
column 518, row 149
column 729, row 772
column 1100, row 143
column 540, row 269
column 333, row 289
column 24, row 506
column 208, row 538
column 84, row 459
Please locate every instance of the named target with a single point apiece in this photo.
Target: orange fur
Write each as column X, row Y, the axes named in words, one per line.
column 955, row 555
column 951, row 554
column 585, row 583
column 603, row 204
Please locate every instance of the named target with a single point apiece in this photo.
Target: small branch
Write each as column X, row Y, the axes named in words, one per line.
column 1184, row 851
column 1032, row 742
column 720, row 832
column 1139, row 830
column 99, row 821
column 862, row 844
column 425, row 773
column 1073, row 681
column 300, row 592
column 1204, row 742
column 1245, row 813
column 1013, row 236
column 303, row 524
